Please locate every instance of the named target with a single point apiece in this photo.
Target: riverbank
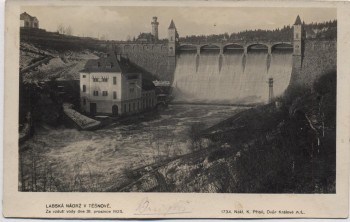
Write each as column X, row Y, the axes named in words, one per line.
column 284, row 147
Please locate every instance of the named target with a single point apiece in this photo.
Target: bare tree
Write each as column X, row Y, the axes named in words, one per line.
column 61, row 29
column 69, row 30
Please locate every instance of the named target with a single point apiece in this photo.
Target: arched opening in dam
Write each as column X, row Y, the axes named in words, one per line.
column 231, row 74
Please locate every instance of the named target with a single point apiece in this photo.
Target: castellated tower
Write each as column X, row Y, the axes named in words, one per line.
column 297, row 42
column 155, row 24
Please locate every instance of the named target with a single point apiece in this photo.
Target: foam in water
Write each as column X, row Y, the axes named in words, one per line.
column 234, row 81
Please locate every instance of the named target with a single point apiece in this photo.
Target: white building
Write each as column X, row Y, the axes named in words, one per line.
column 28, row 21
column 111, row 86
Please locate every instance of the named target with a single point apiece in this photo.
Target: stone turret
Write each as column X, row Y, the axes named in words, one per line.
column 298, row 38
column 172, row 43
column 172, row 39
column 155, row 24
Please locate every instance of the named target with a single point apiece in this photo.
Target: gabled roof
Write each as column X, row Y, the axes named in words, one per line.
column 26, row 15
column 172, row 25
column 297, row 21
column 104, row 64
column 109, row 64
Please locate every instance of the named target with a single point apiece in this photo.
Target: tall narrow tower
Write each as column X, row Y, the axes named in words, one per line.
column 155, row 24
column 172, row 39
column 172, row 42
column 297, row 42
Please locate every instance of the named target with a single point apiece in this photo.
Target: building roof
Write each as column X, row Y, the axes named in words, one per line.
column 172, row 25
column 103, row 64
column 297, row 21
column 110, row 63
column 26, row 15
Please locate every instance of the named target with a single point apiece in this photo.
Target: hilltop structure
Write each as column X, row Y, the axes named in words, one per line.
column 111, row 86
column 28, row 21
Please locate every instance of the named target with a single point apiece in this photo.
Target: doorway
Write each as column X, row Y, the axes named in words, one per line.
column 93, row 109
column 115, row 110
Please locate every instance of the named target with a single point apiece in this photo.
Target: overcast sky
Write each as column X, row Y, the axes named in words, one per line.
column 120, row 22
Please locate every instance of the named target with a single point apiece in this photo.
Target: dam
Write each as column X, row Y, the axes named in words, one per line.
column 234, row 71
column 231, row 74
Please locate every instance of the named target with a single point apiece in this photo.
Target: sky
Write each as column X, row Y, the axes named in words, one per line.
column 120, row 23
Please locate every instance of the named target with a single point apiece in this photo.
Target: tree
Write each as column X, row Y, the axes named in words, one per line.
column 61, row 29
column 69, row 30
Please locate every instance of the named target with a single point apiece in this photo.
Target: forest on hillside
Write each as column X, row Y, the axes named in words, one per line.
column 325, row 30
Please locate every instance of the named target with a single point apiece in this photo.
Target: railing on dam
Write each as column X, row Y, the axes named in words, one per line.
column 240, row 47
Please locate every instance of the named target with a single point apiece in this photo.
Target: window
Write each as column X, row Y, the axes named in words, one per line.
column 129, row 107
column 84, row 76
column 95, row 93
column 104, row 93
column 133, row 106
column 84, row 102
column 84, row 88
column 124, row 107
column 112, row 64
column 104, row 79
column 114, row 80
column 132, row 90
column 98, row 64
column 114, row 95
column 138, row 105
column 296, row 35
column 94, row 79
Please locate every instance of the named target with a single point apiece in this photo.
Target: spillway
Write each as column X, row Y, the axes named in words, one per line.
column 231, row 77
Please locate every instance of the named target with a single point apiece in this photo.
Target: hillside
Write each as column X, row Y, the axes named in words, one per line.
column 38, row 63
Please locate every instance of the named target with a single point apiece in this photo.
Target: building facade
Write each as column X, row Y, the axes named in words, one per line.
column 28, row 21
column 110, row 86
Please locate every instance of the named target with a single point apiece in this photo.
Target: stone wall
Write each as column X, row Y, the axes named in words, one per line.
column 149, row 58
column 319, row 58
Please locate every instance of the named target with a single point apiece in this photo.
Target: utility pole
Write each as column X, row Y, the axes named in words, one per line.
column 270, row 89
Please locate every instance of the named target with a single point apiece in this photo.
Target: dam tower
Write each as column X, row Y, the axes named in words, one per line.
column 172, row 44
column 298, row 35
column 155, row 24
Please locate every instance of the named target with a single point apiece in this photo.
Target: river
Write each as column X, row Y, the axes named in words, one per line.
column 104, row 154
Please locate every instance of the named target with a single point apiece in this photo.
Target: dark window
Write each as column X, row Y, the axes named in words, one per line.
column 84, row 88
column 84, row 76
column 104, row 79
column 133, row 106
column 114, row 95
column 112, row 64
column 114, row 80
column 125, row 108
column 104, row 93
column 129, row 107
column 94, row 79
column 84, row 101
column 95, row 93
column 98, row 64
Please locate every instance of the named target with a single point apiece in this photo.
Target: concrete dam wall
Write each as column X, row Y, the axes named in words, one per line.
column 320, row 57
column 233, row 76
column 150, row 58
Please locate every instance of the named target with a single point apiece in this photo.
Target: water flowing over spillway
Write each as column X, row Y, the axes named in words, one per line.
column 232, row 77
